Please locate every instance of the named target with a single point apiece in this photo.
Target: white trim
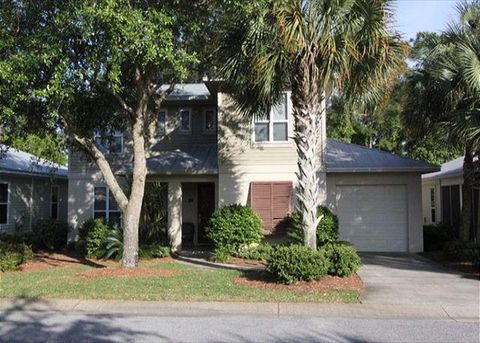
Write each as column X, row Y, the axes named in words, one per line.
column 271, row 123
column 164, row 131
column 189, row 110
column 8, row 203
column 107, row 205
column 107, row 149
column 204, row 123
column 56, row 203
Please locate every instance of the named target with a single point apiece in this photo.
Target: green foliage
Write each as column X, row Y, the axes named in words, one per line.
column 256, row 252
column 17, row 237
column 343, row 259
column 232, row 227
column 327, row 229
column 113, row 243
column 92, row 238
column 435, row 236
column 464, row 251
column 154, row 251
column 50, row 234
column 51, row 147
column 220, row 255
column 13, row 254
column 295, row 263
column 153, row 226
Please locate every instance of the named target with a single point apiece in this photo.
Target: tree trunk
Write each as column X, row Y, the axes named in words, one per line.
column 468, row 181
column 308, row 111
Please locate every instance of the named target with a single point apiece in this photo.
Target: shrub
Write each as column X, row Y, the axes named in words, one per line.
column 14, row 254
column 219, row 255
column 465, row 251
column 295, row 262
column 154, row 251
column 256, row 252
column 50, row 234
column 92, row 238
column 343, row 259
column 435, row 236
column 234, row 226
column 17, row 237
column 327, row 229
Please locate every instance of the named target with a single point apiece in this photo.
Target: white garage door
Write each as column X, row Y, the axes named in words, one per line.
column 373, row 218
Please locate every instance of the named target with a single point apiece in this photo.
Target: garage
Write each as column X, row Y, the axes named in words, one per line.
column 373, row 217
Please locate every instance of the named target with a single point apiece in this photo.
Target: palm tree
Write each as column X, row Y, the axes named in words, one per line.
column 314, row 48
column 455, row 63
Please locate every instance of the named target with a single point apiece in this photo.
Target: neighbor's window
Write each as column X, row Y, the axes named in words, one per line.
column 54, row 202
column 112, row 144
column 162, row 116
column 274, row 127
column 3, row 203
column 210, row 120
column 432, row 205
column 105, row 206
column 185, row 120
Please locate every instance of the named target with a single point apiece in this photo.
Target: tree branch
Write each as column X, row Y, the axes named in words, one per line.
column 119, row 99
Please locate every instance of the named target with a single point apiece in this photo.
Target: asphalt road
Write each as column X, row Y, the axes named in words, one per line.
column 39, row 326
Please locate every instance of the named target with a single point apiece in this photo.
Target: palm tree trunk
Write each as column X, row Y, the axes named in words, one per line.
column 308, row 111
column 468, row 181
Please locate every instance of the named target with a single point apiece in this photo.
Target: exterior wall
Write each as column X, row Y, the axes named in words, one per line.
column 412, row 181
column 437, row 184
column 29, row 200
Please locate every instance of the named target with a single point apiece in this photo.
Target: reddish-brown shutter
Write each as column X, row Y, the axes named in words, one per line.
column 272, row 201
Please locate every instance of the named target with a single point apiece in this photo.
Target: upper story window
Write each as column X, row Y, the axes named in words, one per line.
column 274, row 127
column 210, row 120
column 112, row 144
column 162, row 117
column 185, row 120
column 54, row 202
column 4, row 202
column 105, row 206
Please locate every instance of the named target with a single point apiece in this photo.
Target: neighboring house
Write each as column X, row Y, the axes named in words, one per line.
column 442, row 197
column 31, row 189
column 211, row 156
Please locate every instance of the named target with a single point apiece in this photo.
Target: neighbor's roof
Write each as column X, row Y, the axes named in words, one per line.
column 451, row 168
column 13, row 161
column 350, row 158
column 198, row 159
column 188, row 91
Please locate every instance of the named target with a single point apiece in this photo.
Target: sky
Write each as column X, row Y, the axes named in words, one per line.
column 414, row 16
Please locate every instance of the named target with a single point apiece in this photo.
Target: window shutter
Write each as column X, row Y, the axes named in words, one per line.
column 273, row 202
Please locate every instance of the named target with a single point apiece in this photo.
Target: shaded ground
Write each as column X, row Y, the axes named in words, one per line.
column 45, row 260
column 464, row 267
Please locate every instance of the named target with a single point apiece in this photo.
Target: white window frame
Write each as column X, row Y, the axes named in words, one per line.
column 54, row 203
column 107, row 205
column 164, row 130
column 107, row 148
column 7, row 203
column 205, row 130
column 180, row 110
column 269, row 119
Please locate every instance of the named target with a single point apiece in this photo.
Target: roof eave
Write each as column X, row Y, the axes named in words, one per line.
column 421, row 170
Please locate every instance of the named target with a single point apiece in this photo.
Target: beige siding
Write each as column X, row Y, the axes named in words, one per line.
column 29, row 200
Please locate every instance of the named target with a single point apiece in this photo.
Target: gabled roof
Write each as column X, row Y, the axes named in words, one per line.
column 343, row 157
column 13, row 161
column 451, row 168
column 188, row 91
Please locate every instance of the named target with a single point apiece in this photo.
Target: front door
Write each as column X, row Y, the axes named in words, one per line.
column 206, row 206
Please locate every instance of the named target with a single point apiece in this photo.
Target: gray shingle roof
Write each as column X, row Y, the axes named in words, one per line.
column 451, row 168
column 347, row 158
column 15, row 161
column 199, row 159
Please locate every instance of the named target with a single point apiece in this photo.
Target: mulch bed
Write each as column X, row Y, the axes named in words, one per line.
column 124, row 272
column 47, row 260
column 464, row 267
column 325, row 284
column 245, row 262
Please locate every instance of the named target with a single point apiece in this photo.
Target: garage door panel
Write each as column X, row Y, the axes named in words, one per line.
column 373, row 217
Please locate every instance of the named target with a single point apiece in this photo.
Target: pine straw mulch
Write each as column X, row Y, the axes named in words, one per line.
column 245, row 262
column 46, row 260
column 325, row 284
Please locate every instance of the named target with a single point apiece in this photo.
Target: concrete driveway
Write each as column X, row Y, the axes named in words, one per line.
column 404, row 279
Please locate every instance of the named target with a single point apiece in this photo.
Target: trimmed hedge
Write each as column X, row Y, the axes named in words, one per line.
column 92, row 238
column 50, row 234
column 296, row 263
column 256, row 252
column 343, row 258
column 327, row 229
column 436, row 236
column 234, row 226
column 464, row 251
column 14, row 254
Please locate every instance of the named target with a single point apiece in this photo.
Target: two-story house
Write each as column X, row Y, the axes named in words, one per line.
column 210, row 155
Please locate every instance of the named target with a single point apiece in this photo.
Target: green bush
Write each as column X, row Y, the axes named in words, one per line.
column 17, row 237
column 343, row 259
column 464, row 251
column 234, row 226
column 92, row 238
column 327, row 229
column 154, row 251
column 295, row 262
column 14, row 254
column 255, row 252
column 220, row 255
column 50, row 234
column 435, row 236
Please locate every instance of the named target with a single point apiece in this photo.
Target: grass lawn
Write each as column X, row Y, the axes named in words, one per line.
column 188, row 283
